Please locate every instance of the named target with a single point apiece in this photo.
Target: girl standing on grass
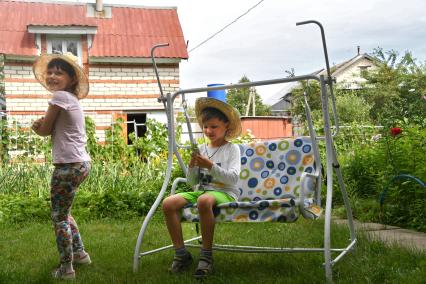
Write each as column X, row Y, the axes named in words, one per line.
column 64, row 122
column 213, row 172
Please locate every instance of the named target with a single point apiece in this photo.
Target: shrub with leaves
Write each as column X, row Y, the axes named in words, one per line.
column 369, row 168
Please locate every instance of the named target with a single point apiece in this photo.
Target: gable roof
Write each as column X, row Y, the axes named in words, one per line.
column 335, row 70
column 281, row 94
column 339, row 68
column 129, row 32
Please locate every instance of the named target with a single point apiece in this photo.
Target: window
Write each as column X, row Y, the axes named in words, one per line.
column 64, row 45
column 364, row 68
column 136, row 124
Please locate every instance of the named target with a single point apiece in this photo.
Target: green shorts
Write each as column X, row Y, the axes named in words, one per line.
column 219, row 196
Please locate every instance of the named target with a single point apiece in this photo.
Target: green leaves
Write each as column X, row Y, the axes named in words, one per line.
column 368, row 168
column 239, row 98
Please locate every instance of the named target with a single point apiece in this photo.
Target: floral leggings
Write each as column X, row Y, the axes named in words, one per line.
column 65, row 180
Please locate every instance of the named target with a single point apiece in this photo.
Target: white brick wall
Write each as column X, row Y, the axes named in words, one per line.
column 120, row 93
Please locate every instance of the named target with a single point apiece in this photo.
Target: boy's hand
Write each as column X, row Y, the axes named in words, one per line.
column 194, row 153
column 201, row 161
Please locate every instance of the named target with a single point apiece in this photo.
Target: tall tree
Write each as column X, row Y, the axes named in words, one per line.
column 239, row 99
column 396, row 89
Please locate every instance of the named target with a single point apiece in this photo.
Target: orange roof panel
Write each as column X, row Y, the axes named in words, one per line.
column 130, row 32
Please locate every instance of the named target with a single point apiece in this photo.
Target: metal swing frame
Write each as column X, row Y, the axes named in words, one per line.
column 332, row 165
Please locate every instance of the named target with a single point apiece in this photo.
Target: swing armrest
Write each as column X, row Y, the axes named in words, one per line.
column 307, row 205
column 175, row 183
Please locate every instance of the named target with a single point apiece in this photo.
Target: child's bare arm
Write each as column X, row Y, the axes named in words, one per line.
column 44, row 125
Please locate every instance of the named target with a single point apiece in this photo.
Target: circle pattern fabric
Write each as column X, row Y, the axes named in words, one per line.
column 269, row 182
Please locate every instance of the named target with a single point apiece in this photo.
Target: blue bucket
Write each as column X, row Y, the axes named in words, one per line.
column 217, row 94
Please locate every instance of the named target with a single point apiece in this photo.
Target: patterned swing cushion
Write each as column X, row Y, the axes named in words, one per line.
column 274, row 176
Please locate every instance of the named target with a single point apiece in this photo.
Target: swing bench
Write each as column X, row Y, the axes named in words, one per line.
column 279, row 180
column 277, row 183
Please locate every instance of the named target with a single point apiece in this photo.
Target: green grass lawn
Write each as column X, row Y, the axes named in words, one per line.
column 28, row 254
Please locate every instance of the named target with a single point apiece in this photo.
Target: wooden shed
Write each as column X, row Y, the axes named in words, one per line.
column 268, row 127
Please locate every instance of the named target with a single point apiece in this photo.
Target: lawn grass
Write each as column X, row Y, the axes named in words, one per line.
column 28, row 254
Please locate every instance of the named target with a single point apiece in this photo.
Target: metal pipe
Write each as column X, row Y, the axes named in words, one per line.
column 175, row 150
column 188, row 122
column 329, row 154
column 99, row 6
column 164, row 186
column 167, row 247
column 155, row 65
column 344, row 252
column 180, row 160
column 254, row 249
column 345, row 196
column 175, row 183
column 313, row 135
column 247, row 84
column 329, row 79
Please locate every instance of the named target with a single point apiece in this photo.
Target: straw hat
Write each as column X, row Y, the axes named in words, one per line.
column 40, row 72
column 234, row 128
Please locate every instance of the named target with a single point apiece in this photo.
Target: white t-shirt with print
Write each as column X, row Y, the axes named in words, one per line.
column 224, row 174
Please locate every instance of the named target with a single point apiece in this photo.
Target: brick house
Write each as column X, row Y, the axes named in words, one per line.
column 113, row 44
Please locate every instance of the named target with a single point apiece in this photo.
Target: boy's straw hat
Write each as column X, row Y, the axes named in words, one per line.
column 40, row 72
column 234, row 128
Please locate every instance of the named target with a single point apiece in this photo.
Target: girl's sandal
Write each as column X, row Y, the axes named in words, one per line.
column 61, row 274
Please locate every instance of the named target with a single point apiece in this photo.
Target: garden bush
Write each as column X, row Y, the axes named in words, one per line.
column 123, row 182
column 112, row 190
column 368, row 169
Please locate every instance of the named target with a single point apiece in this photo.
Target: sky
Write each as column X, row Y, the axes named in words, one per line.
column 265, row 43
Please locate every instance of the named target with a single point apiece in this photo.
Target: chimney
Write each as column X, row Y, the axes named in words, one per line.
column 359, row 49
column 99, row 6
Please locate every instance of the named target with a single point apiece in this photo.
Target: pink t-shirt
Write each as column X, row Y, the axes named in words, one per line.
column 68, row 133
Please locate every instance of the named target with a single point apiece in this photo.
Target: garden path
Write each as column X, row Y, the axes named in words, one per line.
column 390, row 234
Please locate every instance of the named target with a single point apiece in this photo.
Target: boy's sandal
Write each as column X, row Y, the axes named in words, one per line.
column 205, row 267
column 181, row 263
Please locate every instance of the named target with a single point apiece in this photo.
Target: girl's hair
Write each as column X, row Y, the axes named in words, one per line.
column 64, row 66
column 211, row 112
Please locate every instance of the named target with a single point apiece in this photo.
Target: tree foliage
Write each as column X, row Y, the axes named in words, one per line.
column 393, row 92
column 396, row 89
column 239, row 98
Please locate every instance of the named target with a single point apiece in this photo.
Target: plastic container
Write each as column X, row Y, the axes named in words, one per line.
column 217, row 94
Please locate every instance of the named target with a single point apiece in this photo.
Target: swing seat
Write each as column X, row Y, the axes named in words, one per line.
column 278, row 182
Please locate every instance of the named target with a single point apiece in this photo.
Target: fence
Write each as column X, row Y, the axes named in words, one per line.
column 18, row 140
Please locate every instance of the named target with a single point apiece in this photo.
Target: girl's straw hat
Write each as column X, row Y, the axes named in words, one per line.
column 40, row 72
column 234, row 128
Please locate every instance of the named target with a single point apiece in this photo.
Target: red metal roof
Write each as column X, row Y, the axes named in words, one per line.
column 130, row 32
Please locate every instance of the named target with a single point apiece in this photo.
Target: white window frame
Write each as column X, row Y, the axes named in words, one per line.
column 63, row 38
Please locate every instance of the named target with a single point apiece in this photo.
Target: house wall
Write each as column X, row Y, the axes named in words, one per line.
column 350, row 78
column 281, row 108
column 114, row 90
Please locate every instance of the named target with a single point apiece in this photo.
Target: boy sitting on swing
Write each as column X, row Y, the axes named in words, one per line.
column 213, row 172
